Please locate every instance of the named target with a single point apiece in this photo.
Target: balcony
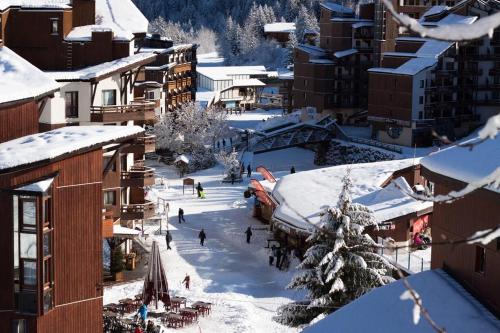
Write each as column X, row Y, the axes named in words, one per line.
column 107, row 224
column 181, row 68
column 138, row 177
column 142, row 145
column 138, row 211
column 137, row 111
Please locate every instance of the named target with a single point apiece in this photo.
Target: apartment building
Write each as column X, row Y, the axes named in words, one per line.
column 332, row 76
column 51, row 198
column 427, row 86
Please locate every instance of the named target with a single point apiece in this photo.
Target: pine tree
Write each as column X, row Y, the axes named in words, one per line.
column 306, row 20
column 291, row 45
column 340, row 265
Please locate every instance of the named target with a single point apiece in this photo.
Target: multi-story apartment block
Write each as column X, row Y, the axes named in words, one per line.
column 332, row 76
column 174, row 69
column 51, row 199
column 428, row 86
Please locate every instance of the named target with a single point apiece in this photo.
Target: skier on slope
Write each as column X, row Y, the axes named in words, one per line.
column 186, row 281
column 181, row 215
column 199, row 189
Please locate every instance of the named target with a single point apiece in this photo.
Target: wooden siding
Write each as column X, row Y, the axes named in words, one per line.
column 18, row 120
column 390, row 96
column 461, row 219
column 77, row 221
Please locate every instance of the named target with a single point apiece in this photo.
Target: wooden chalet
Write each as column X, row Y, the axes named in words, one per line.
column 475, row 266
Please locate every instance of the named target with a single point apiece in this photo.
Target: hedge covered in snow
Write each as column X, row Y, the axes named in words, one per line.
column 338, row 152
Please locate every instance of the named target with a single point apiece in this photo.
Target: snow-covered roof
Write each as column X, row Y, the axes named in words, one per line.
column 118, row 230
column 435, row 10
column 345, row 53
column 41, row 186
column 56, row 4
column 390, row 202
column 105, row 69
column 177, row 47
column 248, row 83
column 53, row 144
column 362, row 24
column 466, row 165
column 430, row 48
column 322, row 61
column 444, row 298
column 452, row 19
column 411, row 67
column 285, row 74
column 122, row 13
column 336, row 8
column 304, row 194
column 280, row 27
column 19, row 79
column 349, row 19
column 182, row 158
column 226, row 72
column 312, row 50
column 84, row 33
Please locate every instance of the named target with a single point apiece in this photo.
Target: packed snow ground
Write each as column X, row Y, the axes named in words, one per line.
column 228, row 272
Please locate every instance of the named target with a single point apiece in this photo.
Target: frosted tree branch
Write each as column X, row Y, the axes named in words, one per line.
column 418, row 309
column 449, row 32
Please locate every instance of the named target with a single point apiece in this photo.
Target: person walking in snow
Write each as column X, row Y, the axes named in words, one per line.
column 233, row 178
column 218, row 145
column 143, row 312
column 202, row 236
column 181, row 215
column 272, row 254
column 199, row 189
column 231, row 141
column 249, row 171
column 224, row 143
column 168, row 239
column 292, row 170
column 249, row 234
column 186, row 281
column 278, row 257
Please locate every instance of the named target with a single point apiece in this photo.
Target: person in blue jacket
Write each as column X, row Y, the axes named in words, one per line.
column 143, row 312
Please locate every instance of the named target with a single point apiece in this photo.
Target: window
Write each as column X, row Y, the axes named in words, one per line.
column 421, row 100
column 479, row 264
column 110, row 198
column 150, row 95
column 105, row 164
column 109, row 97
column 71, row 99
column 422, row 83
column 19, row 326
column 54, row 26
column 27, row 212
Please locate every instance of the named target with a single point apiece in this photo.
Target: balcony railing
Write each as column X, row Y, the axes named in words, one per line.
column 142, row 145
column 137, row 111
column 138, row 177
column 138, row 211
column 181, row 68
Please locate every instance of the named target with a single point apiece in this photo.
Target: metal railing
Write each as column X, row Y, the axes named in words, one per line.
column 403, row 258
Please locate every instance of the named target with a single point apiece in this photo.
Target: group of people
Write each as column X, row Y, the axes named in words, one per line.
column 280, row 256
column 142, row 315
column 168, row 237
column 248, row 168
column 224, row 143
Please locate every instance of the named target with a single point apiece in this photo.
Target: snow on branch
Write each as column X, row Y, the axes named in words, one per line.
column 448, row 32
column 418, row 308
column 491, row 129
column 491, row 181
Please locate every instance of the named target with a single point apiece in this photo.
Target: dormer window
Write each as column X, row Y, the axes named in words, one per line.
column 54, row 26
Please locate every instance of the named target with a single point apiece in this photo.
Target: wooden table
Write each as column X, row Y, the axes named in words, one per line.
column 203, row 307
column 128, row 305
column 174, row 320
column 189, row 314
column 177, row 302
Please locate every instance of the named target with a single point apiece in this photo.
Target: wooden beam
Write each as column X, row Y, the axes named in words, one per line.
column 123, row 88
column 41, row 105
column 132, row 83
column 93, row 88
column 110, row 163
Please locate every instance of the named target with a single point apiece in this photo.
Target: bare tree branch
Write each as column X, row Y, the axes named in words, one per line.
column 448, row 32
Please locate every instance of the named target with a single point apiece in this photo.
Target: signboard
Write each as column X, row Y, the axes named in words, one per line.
column 188, row 182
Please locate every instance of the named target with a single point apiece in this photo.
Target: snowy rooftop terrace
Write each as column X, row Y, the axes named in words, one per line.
column 280, row 27
column 448, row 303
column 105, row 69
column 4, row 4
column 122, row 13
column 304, row 194
column 53, row 144
column 468, row 166
column 20, row 79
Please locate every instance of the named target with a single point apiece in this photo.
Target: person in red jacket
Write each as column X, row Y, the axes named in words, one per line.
column 138, row 330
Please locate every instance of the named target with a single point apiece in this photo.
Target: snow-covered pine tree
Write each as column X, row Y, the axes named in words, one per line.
column 291, row 45
column 306, row 20
column 340, row 265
